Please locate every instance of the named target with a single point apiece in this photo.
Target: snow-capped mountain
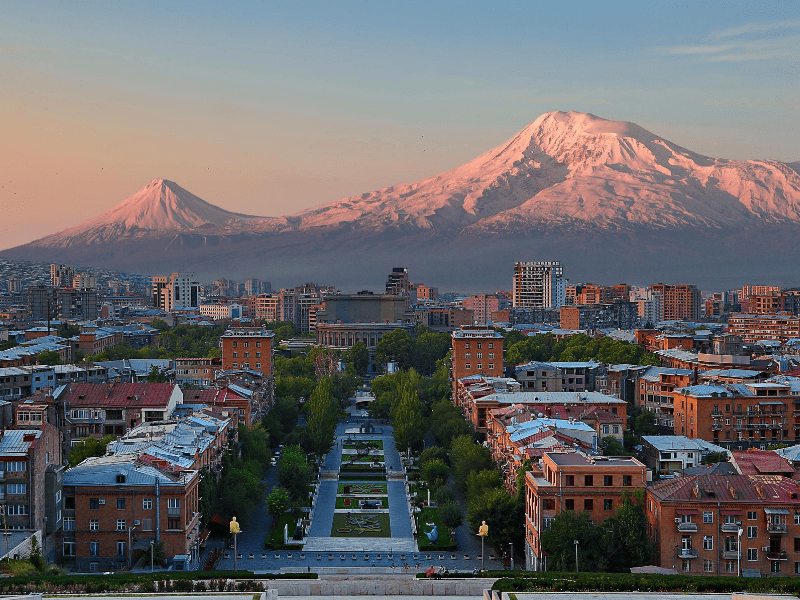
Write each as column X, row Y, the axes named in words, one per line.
column 609, row 196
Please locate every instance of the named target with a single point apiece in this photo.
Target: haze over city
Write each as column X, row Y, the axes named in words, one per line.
column 271, row 109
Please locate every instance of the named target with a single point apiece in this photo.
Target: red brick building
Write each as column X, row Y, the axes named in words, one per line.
column 247, row 348
column 116, row 505
column 681, row 301
column 476, row 351
column 576, row 482
column 696, row 520
column 754, row 328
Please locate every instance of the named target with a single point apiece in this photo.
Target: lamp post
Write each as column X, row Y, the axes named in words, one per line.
column 511, row 562
column 152, row 552
column 130, row 531
column 483, row 531
column 576, row 556
column 235, row 531
column 739, row 552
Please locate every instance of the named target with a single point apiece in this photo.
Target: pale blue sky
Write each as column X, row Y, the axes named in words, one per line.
column 268, row 108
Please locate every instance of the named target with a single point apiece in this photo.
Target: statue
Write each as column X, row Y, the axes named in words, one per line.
column 433, row 534
column 235, row 526
column 483, row 530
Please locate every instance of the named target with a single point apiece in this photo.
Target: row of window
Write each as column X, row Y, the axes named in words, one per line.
column 94, row 524
column 147, row 503
column 752, row 515
column 480, row 345
column 14, row 466
column 569, row 504
column 731, row 566
column 588, row 480
column 246, row 365
column 466, row 366
column 468, row 355
column 246, row 344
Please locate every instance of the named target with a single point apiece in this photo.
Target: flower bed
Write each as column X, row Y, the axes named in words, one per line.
column 360, row 524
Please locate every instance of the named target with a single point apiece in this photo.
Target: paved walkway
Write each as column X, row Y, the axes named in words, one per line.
column 325, row 554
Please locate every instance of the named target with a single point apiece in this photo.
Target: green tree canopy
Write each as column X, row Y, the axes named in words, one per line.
column 502, row 513
column 277, row 503
column 49, row 357
column 611, row 446
column 467, row 456
column 89, row 447
column 295, row 474
column 397, row 346
column 409, row 428
column 451, row 514
column 322, row 412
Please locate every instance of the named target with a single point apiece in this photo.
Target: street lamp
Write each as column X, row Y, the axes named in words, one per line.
column 130, row 531
column 511, row 564
column 152, row 552
column 739, row 552
column 483, row 531
column 576, row 556
column 235, row 531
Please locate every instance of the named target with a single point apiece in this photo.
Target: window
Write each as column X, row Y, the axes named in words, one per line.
column 752, row 554
column 147, row 524
column 94, row 525
column 18, row 489
column 69, row 523
column 147, row 503
column 121, row 525
column 479, row 355
column 588, row 480
column 491, row 365
column 730, row 566
column 16, row 510
column 608, row 504
column 588, row 504
column 752, row 531
column 480, row 345
column 797, row 568
column 797, row 518
column 94, row 548
column 15, row 466
column 686, row 566
column 569, row 480
column 730, row 519
column 467, row 366
column 121, row 548
column 752, row 515
column 627, row 480
column 69, row 548
column 120, row 503
column 608, row 480
column 258, row 354
column 235, row 355
column 258, row 344
column 708, row 516
column 491, row 344
column 686, row 542
column 235, row 344
column 774, row 566
column 491, row 355
column 468, row 355
column 708, row 566
column 708, row 542
column 569, row 504
column 94, row 503
column 466, row 345
column 479, row 366
column 93, row 566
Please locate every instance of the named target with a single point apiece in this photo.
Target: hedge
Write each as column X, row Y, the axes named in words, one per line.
column 629, row 582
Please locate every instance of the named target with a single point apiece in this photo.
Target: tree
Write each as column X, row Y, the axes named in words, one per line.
column 277, row 503
column 502, row 513
column 429, row 347
column 444, row 494
column 434, row 472
column 611, row 446
column 397, row 346
column 466, row 456
column 255, row 448
column 241, row 492
column 558, row 541
column 295, row 474
column 626, row 542
column 451, row 515
column 409, row 429
column 480, row 482
column 323, row 413
column 89, row 447
column 48, row 357
column 158, row 554
column 358, row 358
column 156, row 375
column 432, row 453
column 716, row 457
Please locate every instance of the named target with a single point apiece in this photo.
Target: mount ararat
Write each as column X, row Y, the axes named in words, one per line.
column 610, row 200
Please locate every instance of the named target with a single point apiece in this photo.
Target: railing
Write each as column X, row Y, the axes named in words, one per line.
column 716, row 426
column 687, row 553
column 687, row 526
column 731, row 554
column 730, row 527
column 173, row 512
column 776, row 527
column 779, row 555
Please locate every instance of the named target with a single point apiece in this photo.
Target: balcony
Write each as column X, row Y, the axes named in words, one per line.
column 687, row 526
column 731, row 554
column 731, row 527
column 776, row 527
column 687, row 553
column 716, row 426
column 777, row 555
column 173, row 512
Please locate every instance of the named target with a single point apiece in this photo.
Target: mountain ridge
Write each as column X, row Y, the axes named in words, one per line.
column 565, row 176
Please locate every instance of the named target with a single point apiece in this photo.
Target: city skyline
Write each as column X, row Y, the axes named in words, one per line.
column 269, row 110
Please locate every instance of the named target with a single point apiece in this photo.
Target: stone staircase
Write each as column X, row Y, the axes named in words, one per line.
column 345, row 545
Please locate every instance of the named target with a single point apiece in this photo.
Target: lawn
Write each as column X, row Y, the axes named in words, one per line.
column 376, row 444
column 364, row 459
column 353, row 502
column 360, row 524
column 363, row 489
column 431, row 515
column 275, row 535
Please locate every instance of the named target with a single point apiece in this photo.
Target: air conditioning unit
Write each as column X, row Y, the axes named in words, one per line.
column 137, row 523
column 765, row 549
column 102, row 501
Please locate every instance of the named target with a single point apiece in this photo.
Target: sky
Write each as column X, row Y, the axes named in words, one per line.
column 268, row 108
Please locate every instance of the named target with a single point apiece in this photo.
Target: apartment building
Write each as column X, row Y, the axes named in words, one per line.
column 654, row 392
column 247, row 348
column 196, row 372
column 754, row 328
column 538, row 285
column 719, row 524
column 620, row 314
column 738, row 416
column 115, row 506
column 476, row 351
column 668, row 454
column 680, row 302
column 575, row 482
